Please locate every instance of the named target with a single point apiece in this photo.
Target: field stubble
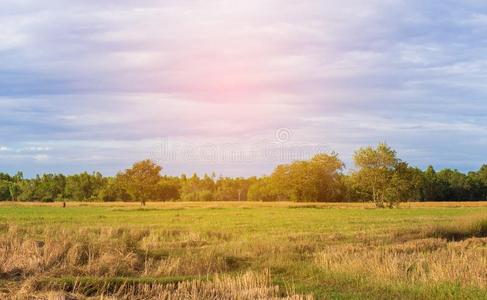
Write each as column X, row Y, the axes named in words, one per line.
column 255, row 255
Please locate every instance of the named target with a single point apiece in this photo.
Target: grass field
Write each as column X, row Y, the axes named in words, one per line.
column 254, row 250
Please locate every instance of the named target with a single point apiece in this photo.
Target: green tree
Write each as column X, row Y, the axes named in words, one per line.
column 405, row 185
column 15, row 187
column 376, row 174
column 84, row 186
column 455, row 185
column 141, row 180
column 431, row 191
column 113, row 190
column 478, row 181
column 232, row 189
column 317, row 179
column 263, row 190
column 197, row 189
column 4, row 190
column 46, row 188
column 169, row 188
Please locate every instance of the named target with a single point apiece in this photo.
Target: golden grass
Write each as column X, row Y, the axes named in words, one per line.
column 454, row 253
column 125, row 252
column 105, row 252
column 51, row 261
column 425, row 261
column 247, row 286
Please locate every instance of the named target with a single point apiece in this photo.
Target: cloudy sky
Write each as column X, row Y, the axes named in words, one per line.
column 222, row 85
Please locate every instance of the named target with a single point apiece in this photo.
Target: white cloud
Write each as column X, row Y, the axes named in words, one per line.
column 80, row 76
column 41, row 157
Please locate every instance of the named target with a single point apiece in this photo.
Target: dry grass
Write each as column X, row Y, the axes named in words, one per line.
column 460, row 230
column 41, row 259
column 454, row 253
column 106, row 252
column 249, row 285
column 425, row 261
column 64, row 257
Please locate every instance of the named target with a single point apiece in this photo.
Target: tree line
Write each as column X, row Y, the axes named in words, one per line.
column 378, row 176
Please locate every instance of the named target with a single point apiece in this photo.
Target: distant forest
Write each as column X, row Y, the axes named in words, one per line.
column 379, row 176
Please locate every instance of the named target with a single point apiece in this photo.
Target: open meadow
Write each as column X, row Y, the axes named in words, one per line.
column 251, row 250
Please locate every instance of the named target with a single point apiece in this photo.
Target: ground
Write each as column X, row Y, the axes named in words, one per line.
column 254, row 250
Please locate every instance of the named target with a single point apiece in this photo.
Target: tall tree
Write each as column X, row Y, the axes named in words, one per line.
column 376, row 169
column 317, row 179
column 84, row 186
column 141, row 180
column 15, row 186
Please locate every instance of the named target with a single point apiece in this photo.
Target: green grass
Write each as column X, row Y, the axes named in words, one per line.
column 283, row 239
column 247, row 220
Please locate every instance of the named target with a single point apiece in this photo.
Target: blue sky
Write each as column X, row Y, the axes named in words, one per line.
column 209, row 85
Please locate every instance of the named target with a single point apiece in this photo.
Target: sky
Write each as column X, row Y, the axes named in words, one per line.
column 236, row 87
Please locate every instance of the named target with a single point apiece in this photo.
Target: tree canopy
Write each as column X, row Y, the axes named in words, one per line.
column 141, row 180
column 378, row 175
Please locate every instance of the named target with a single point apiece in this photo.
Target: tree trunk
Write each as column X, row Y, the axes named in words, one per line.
column 374, row 195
